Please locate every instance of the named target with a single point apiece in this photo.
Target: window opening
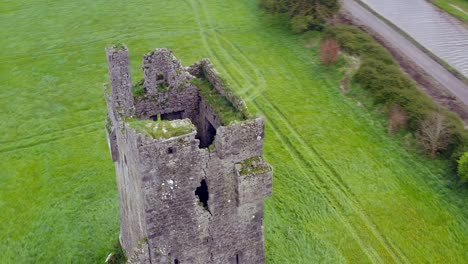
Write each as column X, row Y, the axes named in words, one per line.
column 160, row 76
column 208, row 135
column 203, row 195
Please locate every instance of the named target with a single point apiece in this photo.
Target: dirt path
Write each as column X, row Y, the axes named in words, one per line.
column 425, row 70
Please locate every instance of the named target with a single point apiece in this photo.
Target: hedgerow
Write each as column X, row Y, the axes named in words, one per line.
column 303, row 14
column 381, row 75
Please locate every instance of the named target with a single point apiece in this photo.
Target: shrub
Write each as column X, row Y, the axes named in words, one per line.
column 463, row 168
column 303, row 14
column 300, row 24
column 329, row 52
column 434, row 134
column 397, row 119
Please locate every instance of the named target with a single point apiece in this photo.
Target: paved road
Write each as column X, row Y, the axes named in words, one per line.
column 394, row 38
column 437, row 31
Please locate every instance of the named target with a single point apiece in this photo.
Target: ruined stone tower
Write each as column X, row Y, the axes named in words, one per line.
column 189, row 164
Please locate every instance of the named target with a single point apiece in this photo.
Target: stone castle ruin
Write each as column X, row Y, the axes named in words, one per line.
column 189, row 164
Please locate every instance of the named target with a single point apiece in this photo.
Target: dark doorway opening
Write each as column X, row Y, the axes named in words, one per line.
column 203, row 195
column 168, row 116
column 207, row 135
column 176, row 261
column 172, row 116
column 154, row 117
column 237, row 258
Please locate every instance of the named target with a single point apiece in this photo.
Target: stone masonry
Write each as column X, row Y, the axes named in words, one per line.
column 191, row 182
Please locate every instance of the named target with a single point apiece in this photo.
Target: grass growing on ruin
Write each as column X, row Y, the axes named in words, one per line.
column 343, row 190
column 162, row 129
column 221, row 106
column 254, row 166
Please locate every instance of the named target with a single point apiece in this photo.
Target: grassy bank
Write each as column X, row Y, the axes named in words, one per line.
column 457, row 8
column 343, row 190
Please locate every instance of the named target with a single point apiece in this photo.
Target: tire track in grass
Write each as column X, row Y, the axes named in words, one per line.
column 239, row 66
column 370, row 253
column 311, row 175
column 336, row 179
column 366, row 231
column 213, row 53
column 48, row 133
column 52, row 137
column 259, row 83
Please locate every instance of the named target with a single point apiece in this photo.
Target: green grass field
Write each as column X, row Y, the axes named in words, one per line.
column 343, row 190
column 457, row 8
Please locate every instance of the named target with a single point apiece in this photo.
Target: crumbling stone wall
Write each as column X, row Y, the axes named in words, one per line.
column 120, row 79
column 206, row 69
column 163, row 220
column 162, row 68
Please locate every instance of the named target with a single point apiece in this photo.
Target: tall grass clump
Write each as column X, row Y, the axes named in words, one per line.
column 463, row 168
column 380, row 74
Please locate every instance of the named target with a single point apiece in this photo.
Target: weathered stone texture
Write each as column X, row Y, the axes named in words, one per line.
column 162, row 68
column 209, row 72
column 120, row 79
column 162, row 220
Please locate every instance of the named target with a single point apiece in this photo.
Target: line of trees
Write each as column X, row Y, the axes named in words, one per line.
column 303, row 14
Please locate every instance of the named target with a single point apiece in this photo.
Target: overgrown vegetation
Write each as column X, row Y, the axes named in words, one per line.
column 397, row 119
column 162, row 129
column 119, row 46
column 463, row 168
column 253, row 166
column 303, row 14
column 138, row 89
column 220, row 105
column 380, row 74
column 329, row 52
